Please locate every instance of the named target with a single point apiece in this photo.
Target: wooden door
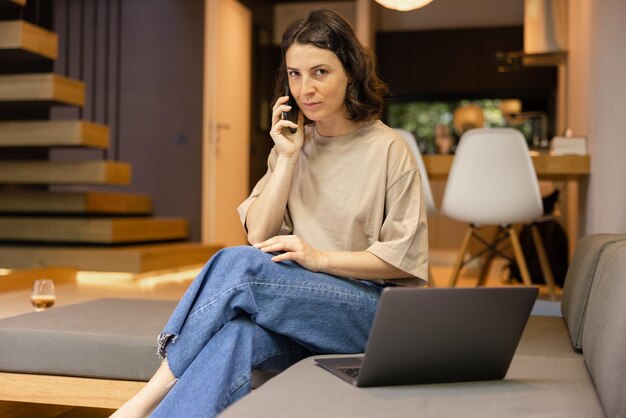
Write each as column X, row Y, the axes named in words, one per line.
column 226, row 138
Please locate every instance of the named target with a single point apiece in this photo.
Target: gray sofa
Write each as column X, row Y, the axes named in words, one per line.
column 574, row 366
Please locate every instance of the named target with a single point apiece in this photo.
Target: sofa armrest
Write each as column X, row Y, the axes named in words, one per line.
column 604, row 332
column 579, row 280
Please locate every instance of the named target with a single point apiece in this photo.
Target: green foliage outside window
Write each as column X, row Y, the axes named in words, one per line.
column 421, row 119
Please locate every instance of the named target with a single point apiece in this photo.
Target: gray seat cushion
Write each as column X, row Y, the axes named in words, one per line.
column 604, row 334
column 546, row 336
column 534, row 387
column 579, row 279
column 105, row 338
column 547, row 378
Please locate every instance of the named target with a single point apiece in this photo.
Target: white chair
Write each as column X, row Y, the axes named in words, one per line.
column 429, row 200
column 492, row 181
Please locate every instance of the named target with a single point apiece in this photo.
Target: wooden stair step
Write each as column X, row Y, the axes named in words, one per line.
column 12, row 3
column 42, row 88
column 128, row 259
column 75, row 202
column 91, row 230
column 23, row 279
column 81, row 172
column 54, row 133
column 23, row 39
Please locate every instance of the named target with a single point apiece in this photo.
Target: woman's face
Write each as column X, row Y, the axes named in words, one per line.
column 318, row 82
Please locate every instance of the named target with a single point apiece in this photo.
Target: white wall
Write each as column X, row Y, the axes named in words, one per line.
column 597, row 106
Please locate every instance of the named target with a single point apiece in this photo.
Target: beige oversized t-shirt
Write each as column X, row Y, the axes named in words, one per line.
column 356, row 192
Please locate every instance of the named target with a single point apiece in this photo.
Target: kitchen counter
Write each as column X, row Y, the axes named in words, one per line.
column 548, row 167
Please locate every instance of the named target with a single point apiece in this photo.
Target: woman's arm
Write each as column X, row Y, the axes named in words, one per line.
column 359, row 265
column 356, row 264
column 266, row 213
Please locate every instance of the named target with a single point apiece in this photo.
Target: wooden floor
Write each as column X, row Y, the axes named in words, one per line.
column 17, row 302
column 498, row 276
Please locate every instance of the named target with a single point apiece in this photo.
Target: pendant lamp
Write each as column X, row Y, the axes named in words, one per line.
column 403, row 5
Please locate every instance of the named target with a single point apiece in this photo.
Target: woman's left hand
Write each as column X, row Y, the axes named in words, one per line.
column 294, row 248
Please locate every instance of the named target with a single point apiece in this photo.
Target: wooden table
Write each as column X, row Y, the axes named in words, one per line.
column 568, row 168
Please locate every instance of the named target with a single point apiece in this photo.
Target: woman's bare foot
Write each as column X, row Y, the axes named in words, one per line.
column 148, row 398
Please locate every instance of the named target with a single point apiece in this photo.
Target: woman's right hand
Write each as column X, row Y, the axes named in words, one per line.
column 287, row 144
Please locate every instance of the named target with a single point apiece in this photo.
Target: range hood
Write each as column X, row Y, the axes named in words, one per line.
column 545, row 36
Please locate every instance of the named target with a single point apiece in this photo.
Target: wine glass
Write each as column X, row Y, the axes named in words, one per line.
column 43, row 295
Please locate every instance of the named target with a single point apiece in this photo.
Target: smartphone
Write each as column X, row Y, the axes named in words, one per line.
column 292, row 115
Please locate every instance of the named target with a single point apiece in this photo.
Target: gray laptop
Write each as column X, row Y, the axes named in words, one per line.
column 439, row 335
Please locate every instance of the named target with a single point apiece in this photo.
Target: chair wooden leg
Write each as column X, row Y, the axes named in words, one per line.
column 519, row 256
column 459, row 259
column 543, row 261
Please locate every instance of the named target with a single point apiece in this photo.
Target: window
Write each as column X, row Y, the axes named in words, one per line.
column 422, row 117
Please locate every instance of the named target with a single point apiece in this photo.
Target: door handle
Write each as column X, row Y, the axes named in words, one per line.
column 219, row 127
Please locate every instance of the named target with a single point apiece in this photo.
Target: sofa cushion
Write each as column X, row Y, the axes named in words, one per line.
column 579, row 279
column 105, row 338
column 604, row 333
column 535, row 386
column 546, row 336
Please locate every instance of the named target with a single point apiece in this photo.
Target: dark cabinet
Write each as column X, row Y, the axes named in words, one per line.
column 394, row 60
column 528, row 81
column 448, row 63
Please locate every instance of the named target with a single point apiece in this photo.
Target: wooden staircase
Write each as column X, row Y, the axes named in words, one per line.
column 57, row 173
column 85, row 203
column 9, row 3
column 43, row 224
column 26, row 41
column 41, row 88
column 54, row 133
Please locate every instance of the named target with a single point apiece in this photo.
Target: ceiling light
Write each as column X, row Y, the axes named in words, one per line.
column 403, row 5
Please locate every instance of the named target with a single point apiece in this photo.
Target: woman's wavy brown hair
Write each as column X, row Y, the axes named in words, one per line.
column 325, row 29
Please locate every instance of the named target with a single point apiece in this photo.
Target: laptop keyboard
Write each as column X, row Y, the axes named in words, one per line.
column 350, row 371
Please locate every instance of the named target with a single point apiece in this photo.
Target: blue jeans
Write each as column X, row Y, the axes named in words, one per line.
column 245, row 312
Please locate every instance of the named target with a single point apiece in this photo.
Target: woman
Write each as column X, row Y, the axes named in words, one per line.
column 337, row 217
